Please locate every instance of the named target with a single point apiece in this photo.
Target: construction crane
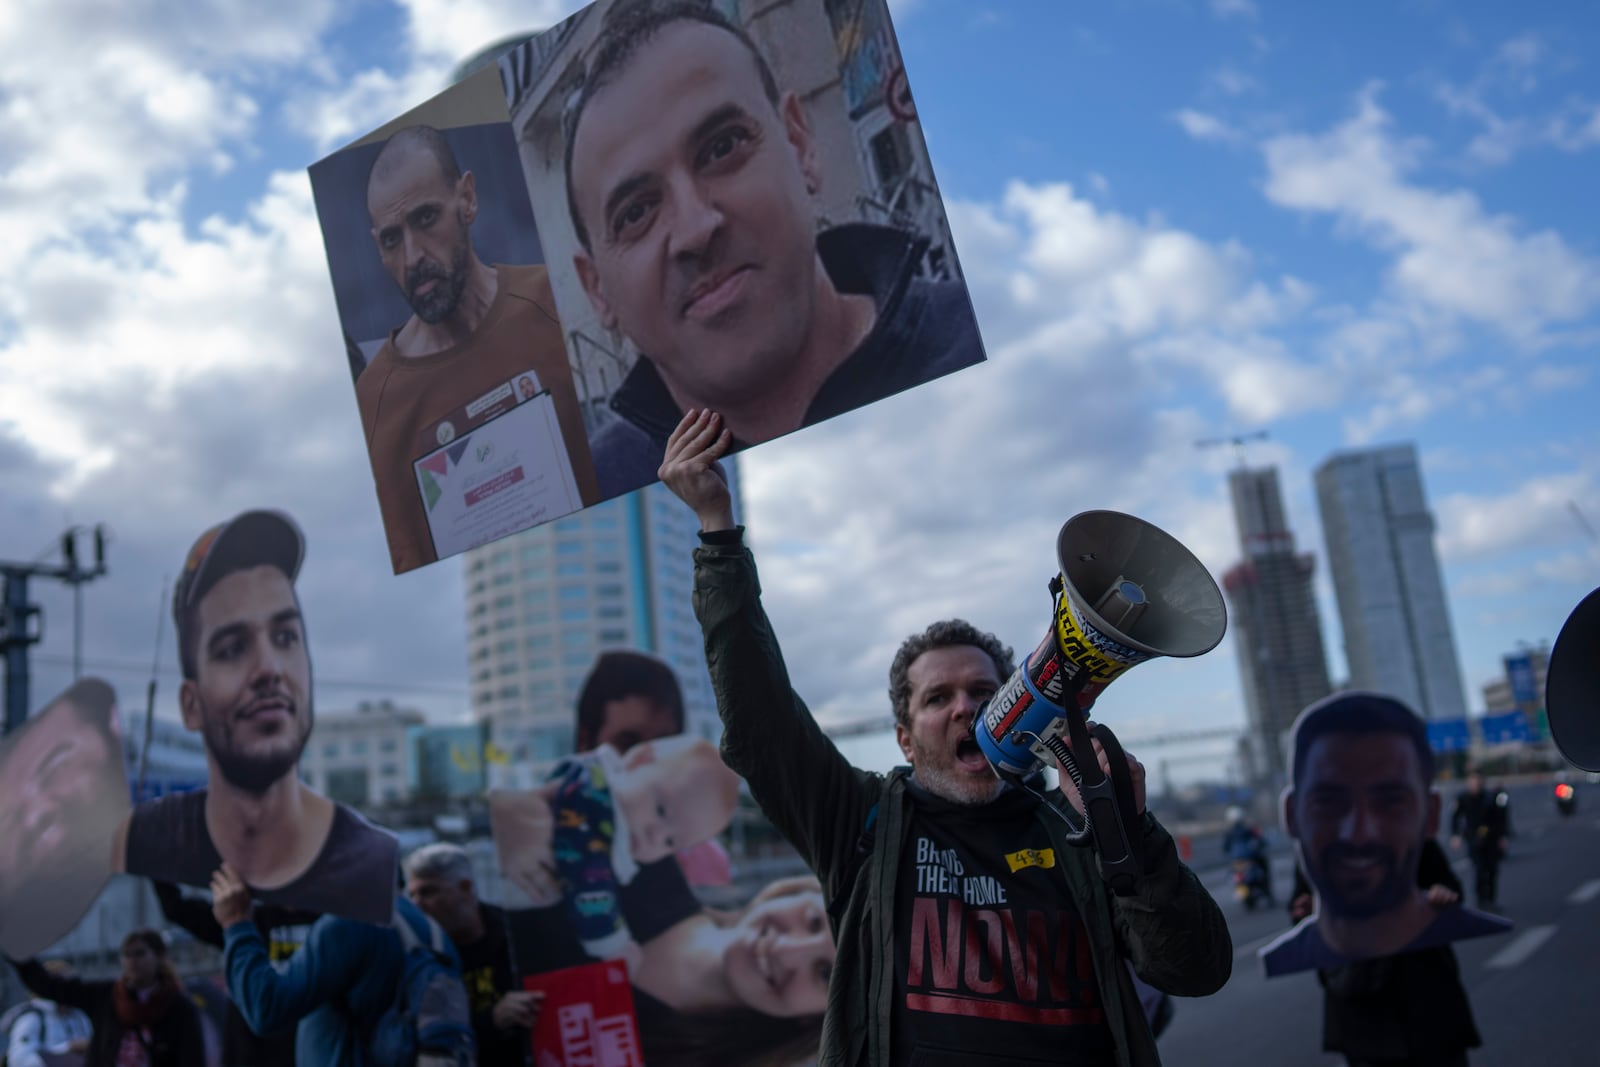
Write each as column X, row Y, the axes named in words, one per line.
column 1238, row 441
column 1577, row 513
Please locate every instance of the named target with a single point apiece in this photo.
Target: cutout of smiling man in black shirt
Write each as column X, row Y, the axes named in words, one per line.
column 247, row 691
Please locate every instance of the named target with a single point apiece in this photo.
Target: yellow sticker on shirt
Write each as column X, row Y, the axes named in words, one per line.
column 1031, row 857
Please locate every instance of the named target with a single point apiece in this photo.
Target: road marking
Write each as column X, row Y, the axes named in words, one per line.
column 1585, row 892
column 1525, row 945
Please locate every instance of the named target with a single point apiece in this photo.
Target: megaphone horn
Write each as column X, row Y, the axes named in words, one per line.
column 1126, row 592
column 1572, row 686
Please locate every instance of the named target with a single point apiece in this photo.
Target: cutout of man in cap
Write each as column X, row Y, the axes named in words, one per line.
column 247, row 691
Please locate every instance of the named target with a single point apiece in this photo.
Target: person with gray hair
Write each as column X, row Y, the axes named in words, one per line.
column 439, row 881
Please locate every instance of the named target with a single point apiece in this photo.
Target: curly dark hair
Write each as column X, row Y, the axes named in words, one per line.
column 941, row 634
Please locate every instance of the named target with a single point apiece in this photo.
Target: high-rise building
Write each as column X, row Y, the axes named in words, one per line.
column 544, row 603
column 1386, row 577
column 362, row 757
column 1277, row 633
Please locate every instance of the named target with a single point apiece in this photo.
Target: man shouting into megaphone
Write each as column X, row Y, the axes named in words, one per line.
column 968, row 930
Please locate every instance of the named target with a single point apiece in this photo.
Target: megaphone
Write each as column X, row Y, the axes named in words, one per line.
column 1572, row 686
column 1126, row 592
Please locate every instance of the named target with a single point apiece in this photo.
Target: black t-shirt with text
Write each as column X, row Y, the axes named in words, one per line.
column 486, row 972
column 993, row 962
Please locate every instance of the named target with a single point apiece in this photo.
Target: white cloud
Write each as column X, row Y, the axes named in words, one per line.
column 452, row 30
column 103, row 108
column 1227, row 9
column 1106, row 334
column 1204, row 127
column 1536, row 512
column 439, row 36
column 1450, row 253
column 1233, row 81
column 1513, row 71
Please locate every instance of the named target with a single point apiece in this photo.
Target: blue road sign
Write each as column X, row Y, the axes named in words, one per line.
column 1519, row 672
column 1505, row 727
column 1449, row 735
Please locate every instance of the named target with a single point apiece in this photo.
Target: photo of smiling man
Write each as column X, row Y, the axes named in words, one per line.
column 775, row 250
column 247, row 691
column 1360, row 806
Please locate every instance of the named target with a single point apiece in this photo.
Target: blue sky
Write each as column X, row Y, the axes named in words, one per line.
column 1344, row 224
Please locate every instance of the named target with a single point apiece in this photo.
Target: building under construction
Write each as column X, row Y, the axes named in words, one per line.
column 1277, row 633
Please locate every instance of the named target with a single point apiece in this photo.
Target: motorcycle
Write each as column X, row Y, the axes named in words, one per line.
column 1250, row 883
column 1566, row 799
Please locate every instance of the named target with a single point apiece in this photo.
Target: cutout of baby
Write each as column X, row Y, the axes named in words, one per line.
column 599, row 817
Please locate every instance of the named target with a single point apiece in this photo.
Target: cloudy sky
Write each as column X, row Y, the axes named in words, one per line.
column 1344, row 225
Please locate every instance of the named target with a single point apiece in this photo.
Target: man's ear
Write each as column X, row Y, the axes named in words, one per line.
column 189, row 705
column 903, row 736
column 797, row 130
column 1286, row 813
column 593, row 288
column 467, row 190
column 1435, row 802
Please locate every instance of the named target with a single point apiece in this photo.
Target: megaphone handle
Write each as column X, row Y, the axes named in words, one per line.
column 1104, row 802
column 1130, row 864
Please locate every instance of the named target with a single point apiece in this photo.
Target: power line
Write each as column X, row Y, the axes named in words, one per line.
column 128, row 667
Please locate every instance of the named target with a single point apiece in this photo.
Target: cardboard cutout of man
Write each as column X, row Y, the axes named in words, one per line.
column 247, row 691
column 474, row 329
column 63, row 794
column 689, row 178
column 1360, row 806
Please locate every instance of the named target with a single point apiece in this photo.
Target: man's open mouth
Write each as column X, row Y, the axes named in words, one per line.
column 969, row 756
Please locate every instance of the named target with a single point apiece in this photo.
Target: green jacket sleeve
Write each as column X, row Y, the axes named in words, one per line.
column 1174, row 932
column 812, row 794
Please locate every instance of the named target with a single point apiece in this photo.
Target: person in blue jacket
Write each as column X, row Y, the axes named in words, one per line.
column 336, row 987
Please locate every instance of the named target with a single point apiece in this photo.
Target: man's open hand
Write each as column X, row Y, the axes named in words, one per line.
column 690, row 469
column 524, row 840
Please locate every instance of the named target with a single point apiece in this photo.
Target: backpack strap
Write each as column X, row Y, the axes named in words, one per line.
column 864, row 843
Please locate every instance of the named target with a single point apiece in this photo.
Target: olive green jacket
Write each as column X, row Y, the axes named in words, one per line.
column 1172, row 931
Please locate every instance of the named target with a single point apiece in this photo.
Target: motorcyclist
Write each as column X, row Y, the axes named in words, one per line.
column 1243, row 842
